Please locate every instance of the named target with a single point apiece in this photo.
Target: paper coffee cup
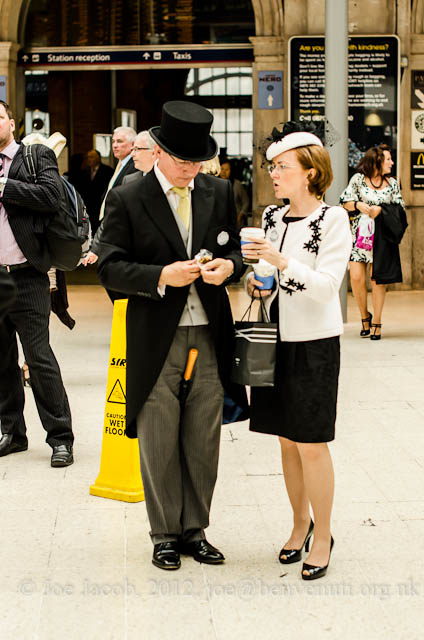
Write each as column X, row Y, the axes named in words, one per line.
column 264, row 272
column 250, row 234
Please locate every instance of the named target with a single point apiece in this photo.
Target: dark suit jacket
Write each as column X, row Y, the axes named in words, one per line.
column 390, row 227
column 93, row 191
column 129, row 168
column 126, row 171
column 29, row 205
column 132, row 176
column 140, row 237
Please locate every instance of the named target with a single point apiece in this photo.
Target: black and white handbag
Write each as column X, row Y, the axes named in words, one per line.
column 255, row 350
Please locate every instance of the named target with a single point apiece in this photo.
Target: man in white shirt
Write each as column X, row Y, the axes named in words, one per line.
column 122, row 146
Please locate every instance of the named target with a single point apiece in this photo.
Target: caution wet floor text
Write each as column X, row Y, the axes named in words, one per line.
column 119, row 477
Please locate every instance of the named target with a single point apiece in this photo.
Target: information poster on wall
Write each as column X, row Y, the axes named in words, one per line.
column 373, row 89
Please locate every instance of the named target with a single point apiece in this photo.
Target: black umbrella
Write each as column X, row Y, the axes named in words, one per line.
column 186, row 381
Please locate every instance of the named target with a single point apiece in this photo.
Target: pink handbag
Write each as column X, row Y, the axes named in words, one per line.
column 365, row 233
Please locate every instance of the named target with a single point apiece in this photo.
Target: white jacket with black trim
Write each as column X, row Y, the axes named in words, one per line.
column 317, row 249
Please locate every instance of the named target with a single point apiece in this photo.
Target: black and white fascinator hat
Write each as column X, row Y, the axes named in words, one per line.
column 298, row 134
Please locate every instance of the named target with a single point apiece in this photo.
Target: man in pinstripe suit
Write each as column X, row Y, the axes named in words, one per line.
column 154, row 226
column 24, row 207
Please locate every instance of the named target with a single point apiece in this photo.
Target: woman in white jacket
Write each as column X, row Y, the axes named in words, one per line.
column 309, row 244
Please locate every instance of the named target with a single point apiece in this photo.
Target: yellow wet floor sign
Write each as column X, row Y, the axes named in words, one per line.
column 119, row 476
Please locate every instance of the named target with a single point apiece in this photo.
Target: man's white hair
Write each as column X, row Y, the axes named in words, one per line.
column 146, row 138
column 129, row 132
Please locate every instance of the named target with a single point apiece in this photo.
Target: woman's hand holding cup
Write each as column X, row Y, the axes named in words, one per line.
column 261, row 281
column 263, row 249
column 255, row 288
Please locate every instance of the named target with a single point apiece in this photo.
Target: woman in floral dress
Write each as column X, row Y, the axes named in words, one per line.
column 371, row 187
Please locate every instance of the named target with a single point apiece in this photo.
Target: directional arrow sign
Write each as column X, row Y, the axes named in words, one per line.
column 420, row 96
column 270, row 89
column 146, row 55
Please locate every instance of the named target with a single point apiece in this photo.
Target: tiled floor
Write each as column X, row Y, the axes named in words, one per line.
column 77, row 566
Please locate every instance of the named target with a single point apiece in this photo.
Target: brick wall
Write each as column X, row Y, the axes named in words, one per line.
column 79, row 105
column 79, row 101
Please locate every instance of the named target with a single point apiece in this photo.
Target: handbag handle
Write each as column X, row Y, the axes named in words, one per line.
column 249, row 308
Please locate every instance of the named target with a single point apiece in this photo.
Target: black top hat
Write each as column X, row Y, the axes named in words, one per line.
column 184, row 131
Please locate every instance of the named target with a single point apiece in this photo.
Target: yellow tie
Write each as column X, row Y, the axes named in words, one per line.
column 109, row 187
column 184, row 205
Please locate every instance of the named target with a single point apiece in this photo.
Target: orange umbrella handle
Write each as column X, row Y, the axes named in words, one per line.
column 191, row 360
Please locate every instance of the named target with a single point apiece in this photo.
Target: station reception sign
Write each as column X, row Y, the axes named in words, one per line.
column 162, row 56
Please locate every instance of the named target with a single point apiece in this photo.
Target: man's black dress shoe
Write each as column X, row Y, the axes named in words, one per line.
column 7, row 445
column 62, row 455
column 202, row 551
column 166, row 555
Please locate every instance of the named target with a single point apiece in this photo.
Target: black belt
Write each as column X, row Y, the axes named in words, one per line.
column 15, row 267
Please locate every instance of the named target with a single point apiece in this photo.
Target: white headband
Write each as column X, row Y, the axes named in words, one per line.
column 292, row 141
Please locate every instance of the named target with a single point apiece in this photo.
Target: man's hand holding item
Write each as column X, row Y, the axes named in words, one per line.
column 179, row 274
column 217, row 271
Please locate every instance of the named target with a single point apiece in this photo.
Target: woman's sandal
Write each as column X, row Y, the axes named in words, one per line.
column 316, row 572
column 375, row 336
column 366, row 332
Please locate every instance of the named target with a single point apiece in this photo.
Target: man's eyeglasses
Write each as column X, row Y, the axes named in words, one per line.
column 184, row 163
column 142, row 149
column 279, row 167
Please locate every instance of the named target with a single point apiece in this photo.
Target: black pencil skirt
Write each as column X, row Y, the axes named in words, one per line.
column 302, row 404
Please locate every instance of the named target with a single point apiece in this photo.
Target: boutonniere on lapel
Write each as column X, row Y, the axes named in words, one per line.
column 222, row 238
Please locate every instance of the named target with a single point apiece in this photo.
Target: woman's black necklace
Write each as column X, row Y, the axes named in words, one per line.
column 380, row 185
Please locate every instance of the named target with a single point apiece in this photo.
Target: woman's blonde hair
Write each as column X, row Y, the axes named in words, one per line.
column 318, row 158
column 211, row 167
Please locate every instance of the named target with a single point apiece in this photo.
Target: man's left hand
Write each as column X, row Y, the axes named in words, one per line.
column 216, row 271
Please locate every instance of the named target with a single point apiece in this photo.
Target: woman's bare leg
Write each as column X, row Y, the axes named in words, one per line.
column 318, row 477
column 378, row 296
column 358, row 280
column 293, row 477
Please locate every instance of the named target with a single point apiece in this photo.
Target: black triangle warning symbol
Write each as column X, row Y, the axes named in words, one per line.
column 117, row 394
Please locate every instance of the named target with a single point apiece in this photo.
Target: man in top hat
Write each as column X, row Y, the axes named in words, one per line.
column 154, row 227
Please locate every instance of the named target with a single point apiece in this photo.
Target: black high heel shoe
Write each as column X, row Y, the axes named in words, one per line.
column 294, row 555
column 366, row 332
column 314, row 571
column 375, row 336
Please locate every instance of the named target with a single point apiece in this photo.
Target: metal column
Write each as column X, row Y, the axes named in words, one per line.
column 336, row 102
